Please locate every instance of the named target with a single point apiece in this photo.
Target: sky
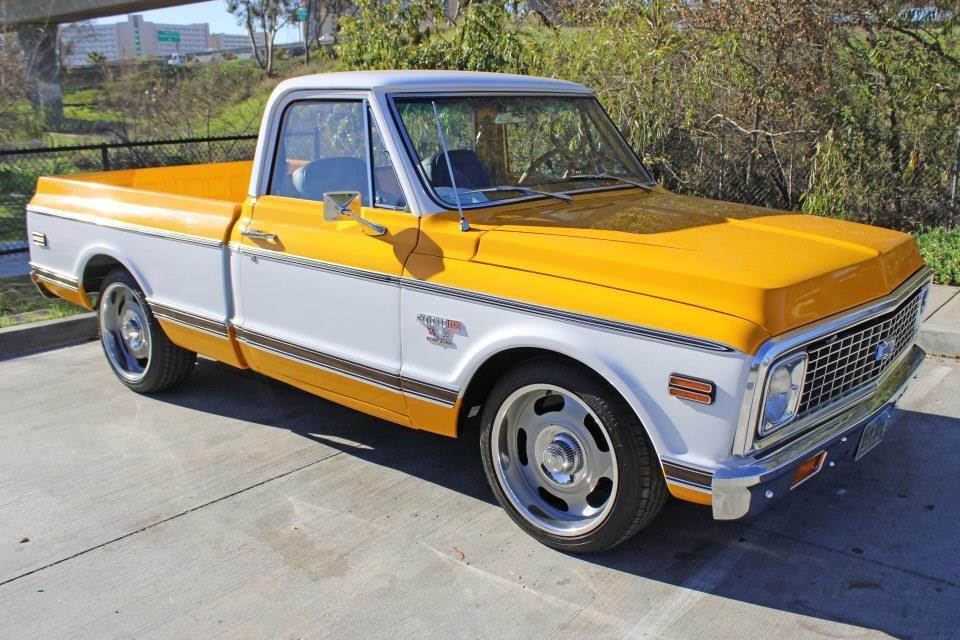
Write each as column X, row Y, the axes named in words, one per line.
column 213, row 12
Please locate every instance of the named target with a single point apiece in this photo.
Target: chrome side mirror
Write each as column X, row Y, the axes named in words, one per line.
column 338, row 205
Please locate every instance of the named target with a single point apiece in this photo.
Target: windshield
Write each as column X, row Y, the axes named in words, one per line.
column 529, row 143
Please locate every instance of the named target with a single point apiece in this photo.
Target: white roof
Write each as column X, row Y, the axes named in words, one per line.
column 429, row 81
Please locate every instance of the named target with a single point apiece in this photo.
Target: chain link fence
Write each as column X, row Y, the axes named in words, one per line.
column 20, row 168
column 722, row 165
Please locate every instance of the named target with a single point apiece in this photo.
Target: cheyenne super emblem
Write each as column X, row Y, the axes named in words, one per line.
column 440, row 330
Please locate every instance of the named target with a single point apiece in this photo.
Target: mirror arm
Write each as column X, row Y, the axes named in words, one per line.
column 378, row 229
column 334, row 207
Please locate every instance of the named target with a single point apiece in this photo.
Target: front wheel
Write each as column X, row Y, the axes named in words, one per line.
column 567, row 458
column 139, row 352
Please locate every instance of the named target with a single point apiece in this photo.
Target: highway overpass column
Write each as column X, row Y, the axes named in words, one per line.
column 39, row 45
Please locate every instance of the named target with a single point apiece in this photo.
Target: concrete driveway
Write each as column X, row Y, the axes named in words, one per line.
column 241, row 508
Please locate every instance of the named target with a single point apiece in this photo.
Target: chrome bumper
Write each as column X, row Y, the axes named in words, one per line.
column 751, row 484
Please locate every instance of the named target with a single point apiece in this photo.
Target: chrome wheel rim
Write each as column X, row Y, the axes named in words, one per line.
column 554, row 460
column 125, row 332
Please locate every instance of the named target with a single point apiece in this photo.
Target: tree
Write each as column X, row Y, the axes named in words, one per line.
column 269, row 16
column 96, row 59
column 322, row 17
column 15, row 120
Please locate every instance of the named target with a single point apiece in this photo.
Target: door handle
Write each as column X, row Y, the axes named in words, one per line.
column 256, row 233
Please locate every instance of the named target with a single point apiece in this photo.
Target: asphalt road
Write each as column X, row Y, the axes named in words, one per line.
column 239, row 507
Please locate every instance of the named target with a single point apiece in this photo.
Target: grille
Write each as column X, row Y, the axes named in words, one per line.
column 847, row 360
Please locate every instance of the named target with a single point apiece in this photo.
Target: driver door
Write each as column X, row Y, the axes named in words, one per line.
column 317, row 301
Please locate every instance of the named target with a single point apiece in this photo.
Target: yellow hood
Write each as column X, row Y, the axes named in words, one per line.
column 776, row 269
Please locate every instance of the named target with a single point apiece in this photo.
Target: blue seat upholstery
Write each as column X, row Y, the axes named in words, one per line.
column 467, row 166
column 315, row 178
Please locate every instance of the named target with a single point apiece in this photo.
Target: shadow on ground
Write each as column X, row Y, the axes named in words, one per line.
column 873, row 544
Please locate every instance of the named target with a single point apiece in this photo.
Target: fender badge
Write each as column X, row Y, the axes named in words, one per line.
column 440, row 330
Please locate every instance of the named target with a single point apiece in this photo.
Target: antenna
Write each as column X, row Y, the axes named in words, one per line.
column 453, row 181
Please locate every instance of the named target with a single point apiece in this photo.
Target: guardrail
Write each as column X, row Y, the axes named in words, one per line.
column 20, row 168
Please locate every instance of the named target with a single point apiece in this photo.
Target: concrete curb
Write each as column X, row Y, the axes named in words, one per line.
column 48, row 334
column 940, row 331
column 939, row 339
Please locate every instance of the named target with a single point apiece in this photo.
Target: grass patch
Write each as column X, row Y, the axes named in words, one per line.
column 20, row 303
column 940, row 248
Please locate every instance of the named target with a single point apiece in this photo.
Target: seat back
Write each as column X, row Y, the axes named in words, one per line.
column 467, row 166
column 315, row 178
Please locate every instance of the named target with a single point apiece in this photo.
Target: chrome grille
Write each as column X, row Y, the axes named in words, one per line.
column 847, row 360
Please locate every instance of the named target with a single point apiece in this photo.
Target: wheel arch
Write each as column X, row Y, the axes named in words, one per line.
column 496, row 364
column 96, row 262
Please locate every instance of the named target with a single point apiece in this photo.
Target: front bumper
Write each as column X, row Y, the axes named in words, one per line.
column 753, row 483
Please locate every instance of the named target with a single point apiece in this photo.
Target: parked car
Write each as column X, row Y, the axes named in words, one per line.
column 611, row 342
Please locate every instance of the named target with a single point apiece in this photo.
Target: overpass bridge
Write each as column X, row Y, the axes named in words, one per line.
column 16, row 12
column 35, row 23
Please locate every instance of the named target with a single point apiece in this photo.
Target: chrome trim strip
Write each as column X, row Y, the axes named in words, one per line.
column 779, row 346
column 188, row 319
column 311, row 263
column 125, row 226
column 65, row 280
column 429, row 391
column 355, row 370
column 572, row 317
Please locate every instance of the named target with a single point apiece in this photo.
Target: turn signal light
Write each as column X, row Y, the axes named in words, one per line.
column 694, row 389
column 808, row 469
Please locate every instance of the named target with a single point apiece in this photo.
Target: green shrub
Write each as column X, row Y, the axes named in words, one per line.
column 940, row 248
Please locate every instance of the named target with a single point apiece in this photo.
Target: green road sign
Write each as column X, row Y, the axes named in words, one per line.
column 168, row 36
column 301, row 15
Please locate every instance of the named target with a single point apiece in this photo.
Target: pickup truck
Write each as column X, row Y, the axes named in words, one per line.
column 470, row 253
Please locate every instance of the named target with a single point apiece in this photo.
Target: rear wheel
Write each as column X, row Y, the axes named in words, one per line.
column 139, row 352
column 567, row 458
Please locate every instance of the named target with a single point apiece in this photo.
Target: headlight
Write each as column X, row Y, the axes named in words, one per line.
column 782, row 396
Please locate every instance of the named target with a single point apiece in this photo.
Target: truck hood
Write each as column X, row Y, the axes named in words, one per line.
column 776, row 269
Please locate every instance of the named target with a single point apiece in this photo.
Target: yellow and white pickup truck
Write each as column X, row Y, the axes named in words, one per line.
column 611, row 342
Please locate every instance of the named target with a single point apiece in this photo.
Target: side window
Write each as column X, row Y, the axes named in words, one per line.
column 322, row 148
column 386, row 185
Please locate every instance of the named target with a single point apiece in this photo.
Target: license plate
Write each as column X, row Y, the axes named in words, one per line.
column 872, row 435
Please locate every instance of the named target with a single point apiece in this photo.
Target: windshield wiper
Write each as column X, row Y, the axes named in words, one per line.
column 535, row 192
column 607, row 176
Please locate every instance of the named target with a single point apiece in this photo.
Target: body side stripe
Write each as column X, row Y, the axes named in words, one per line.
column 312, row 263
column 372, row 375
column 100, row 221
column 572, row 317
column 687, row 475
column 188, row 319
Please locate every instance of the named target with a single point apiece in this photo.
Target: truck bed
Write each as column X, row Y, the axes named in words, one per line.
column 200, row 200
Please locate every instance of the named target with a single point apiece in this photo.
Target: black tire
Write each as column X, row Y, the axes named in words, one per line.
column 641, row 489
column 165, row 365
